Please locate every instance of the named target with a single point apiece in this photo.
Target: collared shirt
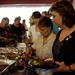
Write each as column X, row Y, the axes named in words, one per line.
column 44, row 50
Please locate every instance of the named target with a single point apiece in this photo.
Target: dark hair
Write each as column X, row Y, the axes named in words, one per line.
column 23, row 20
column 45, row 12
column 5, row 19
column 36, row 14
column 66, row 10
column 45, row 22
column 69, row 1
column 17, row 18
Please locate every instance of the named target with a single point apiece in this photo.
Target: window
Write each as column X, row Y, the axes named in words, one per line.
column 23, row 11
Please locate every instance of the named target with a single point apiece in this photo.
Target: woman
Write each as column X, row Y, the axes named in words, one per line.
column 64, row 46
column 43, row 44
column 34, row 30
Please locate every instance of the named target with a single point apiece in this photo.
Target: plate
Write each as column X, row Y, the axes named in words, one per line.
column 42, row 64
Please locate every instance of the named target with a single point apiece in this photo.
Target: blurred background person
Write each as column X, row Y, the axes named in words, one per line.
column 16, row 29
column 45, row 13
column 23, row 29
column 25, row 35
column 5, row 36
column 34, row 30
column 24, row 23
column 31, row 21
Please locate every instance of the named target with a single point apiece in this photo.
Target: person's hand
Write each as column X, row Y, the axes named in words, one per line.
column 6, row 40
column 26, row 41
column 29, row 51
column 15, row 35
column 62, row 67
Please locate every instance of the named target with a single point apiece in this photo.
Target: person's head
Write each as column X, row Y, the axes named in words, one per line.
column 23, row 21
column 45, row 26
column 31, row 21
column 5, row 22
column 19, row 17
column 44, row 13
column 36, row 15
column 63, row 14
column 17, row 20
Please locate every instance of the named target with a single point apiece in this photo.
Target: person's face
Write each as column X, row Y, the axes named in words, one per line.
column 57, row 18
column 36, row 20
column 17, row 22
column 5, row 23
column 31, row 20
column 43, row 14
column 45, row 31
column 23, row 22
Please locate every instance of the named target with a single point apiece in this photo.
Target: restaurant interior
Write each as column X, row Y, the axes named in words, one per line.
column 13, row 60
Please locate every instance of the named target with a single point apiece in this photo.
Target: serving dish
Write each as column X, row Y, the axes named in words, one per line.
column 45, row 64
column 4, row 65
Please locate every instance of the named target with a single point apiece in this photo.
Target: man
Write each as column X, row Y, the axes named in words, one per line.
column 16, row 29
column 3, row 34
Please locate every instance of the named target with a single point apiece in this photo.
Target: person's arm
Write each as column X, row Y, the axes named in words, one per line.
column 29, row 51
column 64, row 68
column 30, row 36
column 72, row 67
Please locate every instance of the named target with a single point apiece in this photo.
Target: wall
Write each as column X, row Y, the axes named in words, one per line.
column 26, row 1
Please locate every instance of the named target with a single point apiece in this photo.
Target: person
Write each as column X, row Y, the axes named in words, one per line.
column 45, row 13
column 64, row 46
column 31, row 21
column 55, row 29
column 23, row 29
column 3, row 33
column 24, row 23
column 34, row 30
column 43, row 44
column 24, row 36
column 16, row 29
column 5, row 36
